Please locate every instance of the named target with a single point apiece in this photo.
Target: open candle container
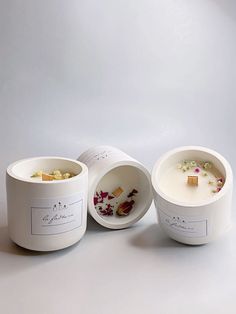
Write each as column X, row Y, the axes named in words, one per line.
column 120, row 190
column 46, row 215
column 192, row 194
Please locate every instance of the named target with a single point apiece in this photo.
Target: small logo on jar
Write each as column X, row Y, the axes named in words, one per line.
column 59, row 206
column 178, row 222
column 101, row 155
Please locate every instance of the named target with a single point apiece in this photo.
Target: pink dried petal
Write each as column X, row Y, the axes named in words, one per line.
column 105, row 212
column 197, row 170
column 95, row 200
column 104, row 194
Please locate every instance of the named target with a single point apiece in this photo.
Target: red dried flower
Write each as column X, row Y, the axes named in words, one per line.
column 103, row 194
column 125, row 208
column 132, row 193
column 95, row 200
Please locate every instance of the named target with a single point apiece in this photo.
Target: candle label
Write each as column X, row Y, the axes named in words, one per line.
column 56, row 215
column 186, row 226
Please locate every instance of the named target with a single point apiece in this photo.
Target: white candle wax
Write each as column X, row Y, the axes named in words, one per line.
column 174, row 181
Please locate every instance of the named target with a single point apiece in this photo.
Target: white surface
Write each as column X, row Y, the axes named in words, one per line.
column 145, row 76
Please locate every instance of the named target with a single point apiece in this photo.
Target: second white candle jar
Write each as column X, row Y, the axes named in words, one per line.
column 46, row 215
column 120, row 191
column 192, row 194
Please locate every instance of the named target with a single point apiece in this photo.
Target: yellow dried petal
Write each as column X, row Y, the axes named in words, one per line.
column 66, row 175
column 57, row 177
column 56, row 173
column 37, row 174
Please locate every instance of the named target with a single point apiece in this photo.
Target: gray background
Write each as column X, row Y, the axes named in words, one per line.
column 145, row 76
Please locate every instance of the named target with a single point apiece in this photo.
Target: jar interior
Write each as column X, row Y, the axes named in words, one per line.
column 191, row 195
column 121, row 194
column 26, row 168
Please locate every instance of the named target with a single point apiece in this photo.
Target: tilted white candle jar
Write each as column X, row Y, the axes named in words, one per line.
column 46, row 215
column 120, row 190
column 192, row 193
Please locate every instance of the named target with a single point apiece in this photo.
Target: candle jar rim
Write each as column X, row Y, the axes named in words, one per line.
column 12, row 171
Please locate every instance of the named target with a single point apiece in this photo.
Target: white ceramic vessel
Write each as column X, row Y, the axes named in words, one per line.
column 110, row 168
column 199, row 222
column 46, row 215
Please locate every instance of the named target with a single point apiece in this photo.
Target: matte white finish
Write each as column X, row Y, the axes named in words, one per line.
column 30, row 228
column 101, row 161
column 193, row 223
column 142, row 75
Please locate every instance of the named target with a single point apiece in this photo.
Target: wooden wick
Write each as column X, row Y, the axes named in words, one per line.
column 192, row 180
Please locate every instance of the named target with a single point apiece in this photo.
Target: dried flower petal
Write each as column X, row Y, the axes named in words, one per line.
column 103, row 194
column 193, row 163
column 132, row 193
column 207, row 165
column 125, row 208
column 37, row 174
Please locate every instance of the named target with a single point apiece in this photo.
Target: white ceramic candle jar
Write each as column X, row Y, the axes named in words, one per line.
column 120, row 190
column 46, row 215
column 192, row 193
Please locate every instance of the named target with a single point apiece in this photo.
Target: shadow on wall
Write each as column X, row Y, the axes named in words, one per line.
column 228, row 7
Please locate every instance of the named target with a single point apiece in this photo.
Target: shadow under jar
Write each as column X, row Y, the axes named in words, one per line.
column 46, row 215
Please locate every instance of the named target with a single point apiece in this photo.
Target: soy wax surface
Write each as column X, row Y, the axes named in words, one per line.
column 173, row 182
